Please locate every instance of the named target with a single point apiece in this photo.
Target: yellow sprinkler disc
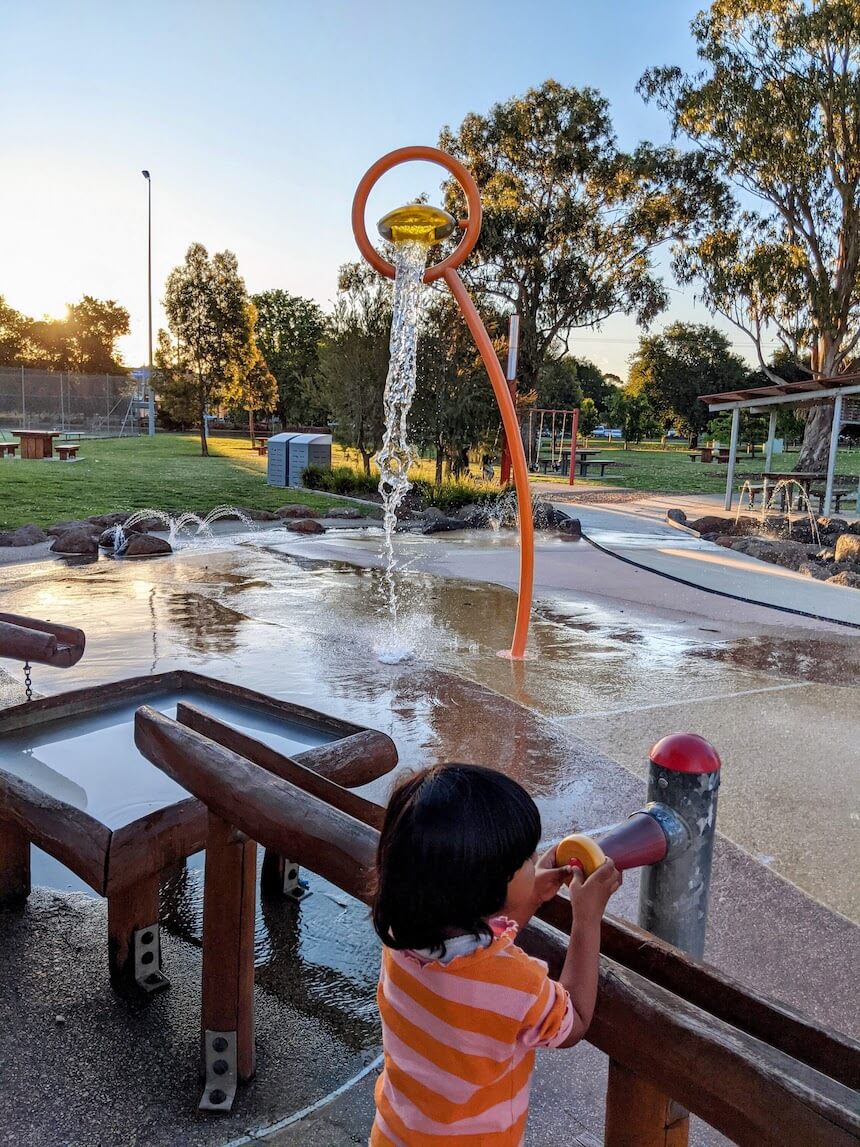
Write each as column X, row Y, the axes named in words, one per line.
column 417, row 221
column 582, row 848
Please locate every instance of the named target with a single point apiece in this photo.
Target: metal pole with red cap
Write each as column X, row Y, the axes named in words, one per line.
column 684, row 776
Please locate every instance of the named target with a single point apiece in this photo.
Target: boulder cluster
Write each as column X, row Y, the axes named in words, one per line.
column 829, row 551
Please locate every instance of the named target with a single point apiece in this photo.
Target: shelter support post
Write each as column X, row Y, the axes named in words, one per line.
column 834, row 449
column 733, row 454
column 771, row 436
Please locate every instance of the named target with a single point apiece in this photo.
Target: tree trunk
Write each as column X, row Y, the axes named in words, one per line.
column 440, row 458
column 204, row 445
column 366, row 455
column 251, row 427
column 815, row 448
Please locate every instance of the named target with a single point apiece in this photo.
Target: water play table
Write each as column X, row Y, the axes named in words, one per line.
column 73, row 784
column 37, row 443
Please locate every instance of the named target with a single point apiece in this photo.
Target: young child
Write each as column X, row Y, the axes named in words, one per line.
column 462, row 1007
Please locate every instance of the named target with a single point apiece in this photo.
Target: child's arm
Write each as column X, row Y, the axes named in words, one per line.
column 579, row 975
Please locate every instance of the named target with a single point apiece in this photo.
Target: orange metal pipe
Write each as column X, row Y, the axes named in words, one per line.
column 508, row 411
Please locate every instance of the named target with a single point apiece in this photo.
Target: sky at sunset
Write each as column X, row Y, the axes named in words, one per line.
column 257, row 119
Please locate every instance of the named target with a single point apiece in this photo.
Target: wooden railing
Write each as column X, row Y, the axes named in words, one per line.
column 758, row 1072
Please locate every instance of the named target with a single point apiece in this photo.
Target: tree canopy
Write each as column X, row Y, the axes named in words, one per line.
column 207, row 311
column 84, row 340
column 776, row 110
column 354, row 359
column 571, row 223
column 289, row 331
column 673, row 369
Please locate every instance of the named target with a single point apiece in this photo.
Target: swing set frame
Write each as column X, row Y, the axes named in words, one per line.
column 534, row 457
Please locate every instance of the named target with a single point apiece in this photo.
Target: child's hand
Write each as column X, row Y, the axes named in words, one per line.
column 588, row 898
column 549, row 878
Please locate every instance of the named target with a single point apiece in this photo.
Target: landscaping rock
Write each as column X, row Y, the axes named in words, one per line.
column 296, row 510
column 571, row 528
column 845, row 577
column 260, row 515
column 105, row 520
column 439, row 523
column 675, row 515
column 147, row 545
column 66, row 527
column 547, row 517
column 847, row 548
column 825, row 555
column 472, row 516
column 831, row 525
column 725, row 540
column 712, row 524
column 107, row 539
column 434, row 514
column 305, row 526
column 348, row 512
column 28, row 535
column 818, row 570
column 148, row 524
column 77, row 541
column 780, row 552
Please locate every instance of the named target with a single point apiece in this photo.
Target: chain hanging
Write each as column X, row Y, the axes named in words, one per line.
column 28, row 681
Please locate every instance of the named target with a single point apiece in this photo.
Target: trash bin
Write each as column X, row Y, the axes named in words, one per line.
column 290, row 453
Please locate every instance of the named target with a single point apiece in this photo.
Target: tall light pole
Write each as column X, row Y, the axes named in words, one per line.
column 151, row 412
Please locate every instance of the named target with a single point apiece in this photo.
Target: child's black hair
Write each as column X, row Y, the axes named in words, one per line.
column 453, row 836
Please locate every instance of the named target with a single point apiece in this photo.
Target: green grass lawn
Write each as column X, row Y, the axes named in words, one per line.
column 166, row 472
column 671, row 471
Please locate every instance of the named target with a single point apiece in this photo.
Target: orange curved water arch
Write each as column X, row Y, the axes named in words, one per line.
column 447, row 270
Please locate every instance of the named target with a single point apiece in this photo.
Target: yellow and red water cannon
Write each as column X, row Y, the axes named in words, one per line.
column 653, row 834
column 671, row 838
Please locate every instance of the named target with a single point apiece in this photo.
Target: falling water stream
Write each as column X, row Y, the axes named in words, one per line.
column 396, row 455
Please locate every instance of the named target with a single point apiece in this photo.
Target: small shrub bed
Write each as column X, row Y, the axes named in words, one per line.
column 450, row 496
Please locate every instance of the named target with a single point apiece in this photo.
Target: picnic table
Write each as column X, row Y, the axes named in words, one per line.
column 585, row 464
column 804, row 478
column 37, row 443
column 261, row 443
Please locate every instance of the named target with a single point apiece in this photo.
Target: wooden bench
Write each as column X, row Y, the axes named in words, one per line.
column 845, row 487
column 8, row 449
column 67, row 453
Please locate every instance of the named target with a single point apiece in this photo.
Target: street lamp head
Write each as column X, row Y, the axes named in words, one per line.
column 145, row 174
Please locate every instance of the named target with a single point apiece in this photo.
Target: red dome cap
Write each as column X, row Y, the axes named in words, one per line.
column 685, row 753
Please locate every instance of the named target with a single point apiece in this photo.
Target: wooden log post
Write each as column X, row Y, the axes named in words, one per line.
column 638, row 1114
column 14, row 865
column 229, row 904
column 132, row 909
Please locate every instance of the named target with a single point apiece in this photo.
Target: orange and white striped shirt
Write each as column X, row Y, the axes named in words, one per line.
column 459, row 1039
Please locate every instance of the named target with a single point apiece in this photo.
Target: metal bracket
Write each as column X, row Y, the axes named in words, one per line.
column 294, row 887
column 147, row 960
column 220, row 1063
column 678, row 836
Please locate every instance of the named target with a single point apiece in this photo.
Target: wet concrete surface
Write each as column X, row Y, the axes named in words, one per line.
column 608, row 673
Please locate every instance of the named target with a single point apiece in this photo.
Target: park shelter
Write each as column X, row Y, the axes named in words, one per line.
column 843, row 389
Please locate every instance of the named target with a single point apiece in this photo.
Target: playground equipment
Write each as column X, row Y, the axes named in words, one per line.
column 556, row 441
column 760, row 1073
column 50, row 796
column 418, row 223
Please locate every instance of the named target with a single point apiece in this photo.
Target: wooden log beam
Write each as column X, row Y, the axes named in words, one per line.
column 277, row 814
column 43, row 642
column 714, row 991
column 74, row 837
column 306, row 776
column 751, row 1092
column 14, row 865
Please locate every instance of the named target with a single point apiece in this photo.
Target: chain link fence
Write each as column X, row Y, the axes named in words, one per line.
column 108, row 405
